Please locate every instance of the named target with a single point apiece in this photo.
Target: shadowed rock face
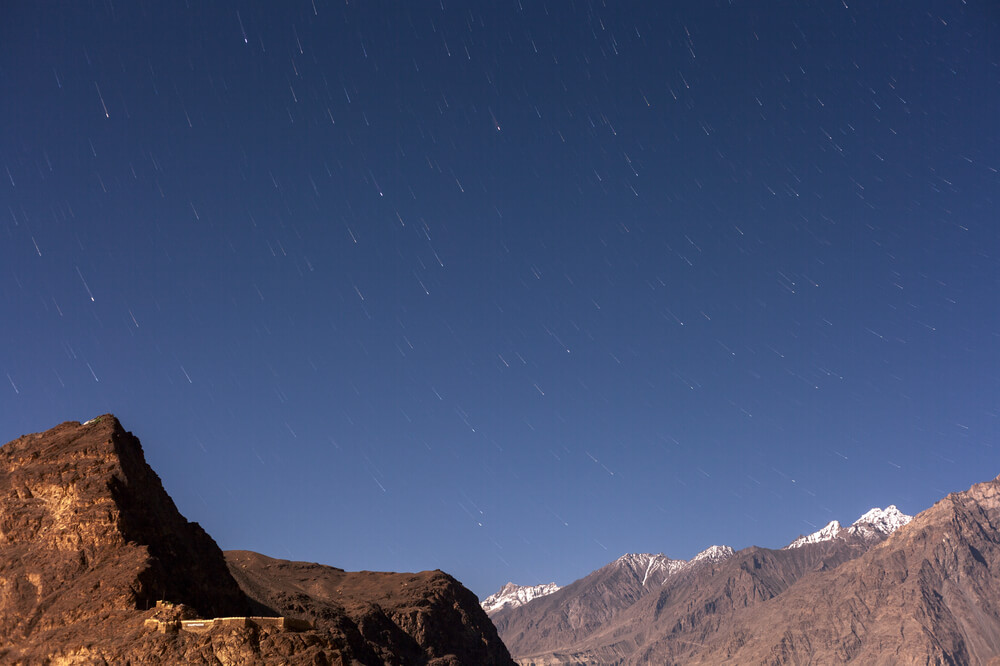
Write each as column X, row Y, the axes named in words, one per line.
column 408, row 615
column 89, row 540
column 929, row 594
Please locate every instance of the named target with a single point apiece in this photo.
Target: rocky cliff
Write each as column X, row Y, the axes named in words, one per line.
column 90, row 540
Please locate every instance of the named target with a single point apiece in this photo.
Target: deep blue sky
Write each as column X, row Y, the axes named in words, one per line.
column 509, row 288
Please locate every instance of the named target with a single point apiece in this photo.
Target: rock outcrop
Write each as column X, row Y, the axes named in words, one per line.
column 90, row 540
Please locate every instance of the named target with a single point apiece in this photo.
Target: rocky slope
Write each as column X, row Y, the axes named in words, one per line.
column 591, row 621
column 926, row 593
column 89, row 540
column 405, row 618
column 929, row 594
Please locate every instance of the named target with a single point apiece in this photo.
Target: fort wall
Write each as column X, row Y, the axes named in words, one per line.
column 202, row 626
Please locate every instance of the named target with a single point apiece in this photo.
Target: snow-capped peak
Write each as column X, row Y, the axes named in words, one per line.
column 658, row 568
column 712, row 554
column 873, row 524
column 649, row 566
column 879, row 521
column 512, row 596
column 828, row 533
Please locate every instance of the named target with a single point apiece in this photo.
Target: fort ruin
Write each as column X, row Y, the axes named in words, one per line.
column 201, row 626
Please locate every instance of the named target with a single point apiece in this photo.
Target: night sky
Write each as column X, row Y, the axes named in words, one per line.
column 510, row 288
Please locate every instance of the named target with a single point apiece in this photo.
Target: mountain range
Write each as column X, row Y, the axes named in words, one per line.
column 874, row 525
column 888, row 589
column 97, row 566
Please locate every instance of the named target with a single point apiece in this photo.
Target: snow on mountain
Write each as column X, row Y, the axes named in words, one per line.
column 872, row 525
column 511, row 596
column 648, row 566
column 711, row 554
column 828, row 533
column 879, row 521
column 655, row 569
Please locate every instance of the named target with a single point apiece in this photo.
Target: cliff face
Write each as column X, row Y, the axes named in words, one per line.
column 89, row 540
column 86, row 528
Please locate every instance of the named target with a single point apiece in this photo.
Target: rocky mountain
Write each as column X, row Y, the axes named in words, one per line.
column 929, row 594
column 628, row 574
column 90, row 541
column 886, row 590
column 511, row 595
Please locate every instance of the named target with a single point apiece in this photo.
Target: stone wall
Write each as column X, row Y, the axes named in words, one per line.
column 201, row 626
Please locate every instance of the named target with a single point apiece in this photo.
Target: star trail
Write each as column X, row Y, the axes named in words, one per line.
column 509, row 288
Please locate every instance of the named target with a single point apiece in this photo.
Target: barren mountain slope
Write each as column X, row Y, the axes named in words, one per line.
column 929, row 594
column 687, row 608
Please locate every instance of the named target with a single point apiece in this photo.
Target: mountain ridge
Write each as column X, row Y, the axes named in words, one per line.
column 887, row 589
column 870, row 525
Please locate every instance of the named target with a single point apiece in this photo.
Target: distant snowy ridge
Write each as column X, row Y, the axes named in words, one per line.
column 656, row 569
column 511, row 596
column 872, row 525
column 648, row 566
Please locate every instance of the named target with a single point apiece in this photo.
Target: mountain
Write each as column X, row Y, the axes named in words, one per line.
column 90, row 542
column 511, row 595
column 872, row 526
column 887, row 589
column 709, row 555
column 927, row 594
column 581, row 612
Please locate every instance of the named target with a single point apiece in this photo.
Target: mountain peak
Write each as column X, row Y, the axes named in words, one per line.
column 886, row 520
column 878, row 523
column 648, row 566
column 713, row 554
column 512, row 595
column 874, row 524
column 831, row 531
